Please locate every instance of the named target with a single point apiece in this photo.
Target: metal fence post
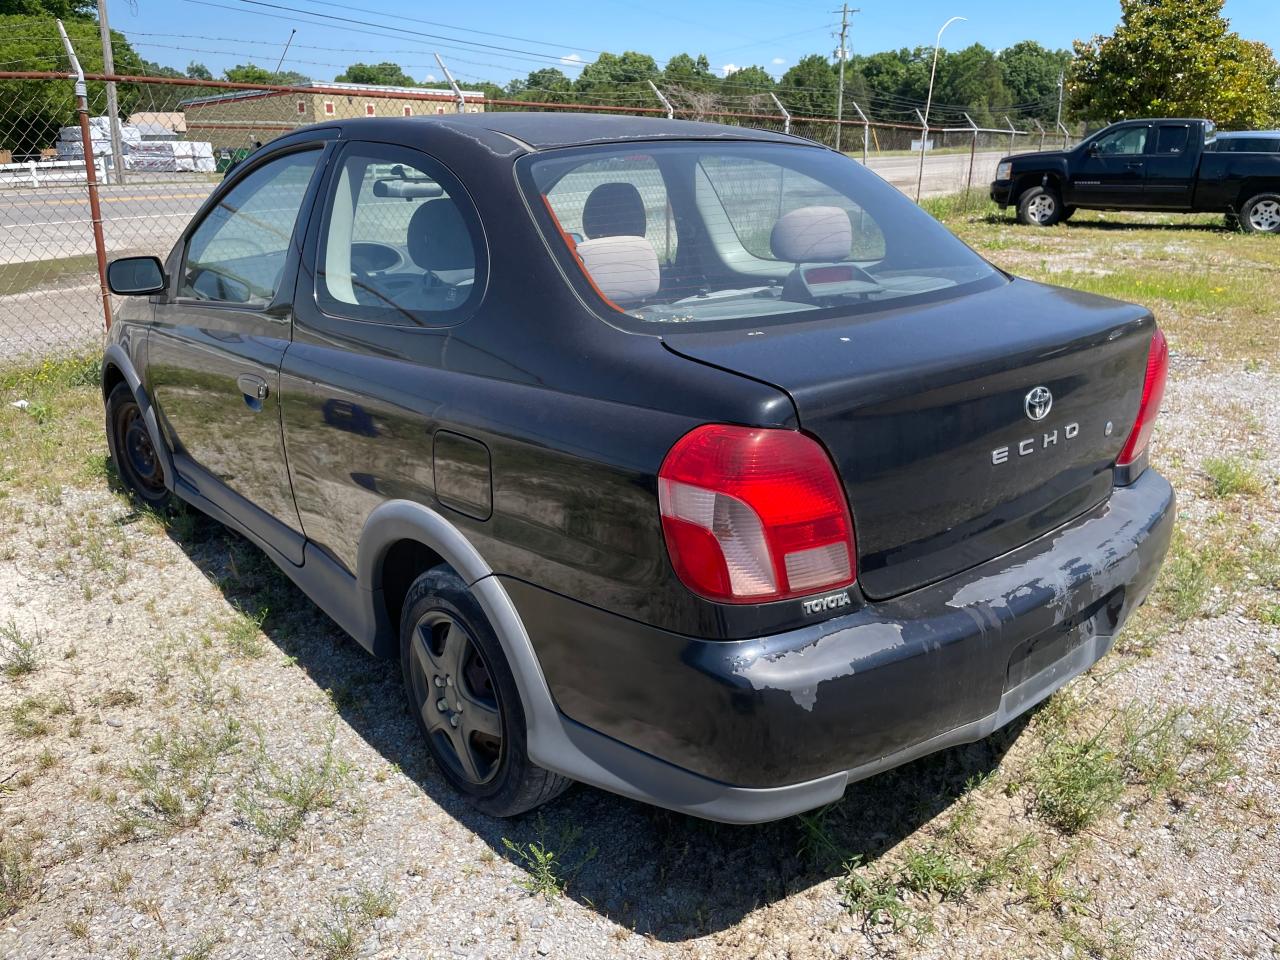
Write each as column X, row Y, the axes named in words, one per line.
column 866, row 130
column 1066, row 134
column 1013, row 132
column 786, row 117
column 973, row 151
column 924, row 142
column 90, row 176
column 1040, row 127
column 671, row 113
column 453, row 84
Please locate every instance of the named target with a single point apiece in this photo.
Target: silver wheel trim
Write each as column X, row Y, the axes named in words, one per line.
column 1041, row 208
column 1265, row 216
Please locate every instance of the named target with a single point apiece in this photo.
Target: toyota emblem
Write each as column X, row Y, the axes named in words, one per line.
column 1038, row 403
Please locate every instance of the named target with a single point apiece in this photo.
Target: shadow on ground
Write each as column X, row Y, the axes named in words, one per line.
column 661, row 874
column 1177, row 226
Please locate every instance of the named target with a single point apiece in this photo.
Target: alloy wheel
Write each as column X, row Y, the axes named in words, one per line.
column 1041, row 208
column 1265, row 216
column 457, row 698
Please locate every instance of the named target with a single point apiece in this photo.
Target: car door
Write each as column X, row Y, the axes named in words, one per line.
column 217, row 341
column 1171, row 166
column 1111, row 171
column 395, row 264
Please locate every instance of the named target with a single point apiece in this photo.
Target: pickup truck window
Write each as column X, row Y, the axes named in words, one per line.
column 722, row 234
column 1247, row 144
column 1127, row 142
column 1172, row 138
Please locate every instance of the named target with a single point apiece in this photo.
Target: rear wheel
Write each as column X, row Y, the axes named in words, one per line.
column 129, row 441
column 464, row 697
column 1261, row 214
column 1039, row 207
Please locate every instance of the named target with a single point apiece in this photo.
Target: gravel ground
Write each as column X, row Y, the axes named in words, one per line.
column 198, row 764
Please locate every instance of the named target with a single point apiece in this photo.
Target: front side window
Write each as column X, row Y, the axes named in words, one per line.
column 1130, row 141
column 399, row 242
column 720, row 234
column 237, row 253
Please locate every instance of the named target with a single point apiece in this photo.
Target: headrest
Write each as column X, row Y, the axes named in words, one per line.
column 613, row 210
column 439, row 239
column 812, row 235
column 624, row 269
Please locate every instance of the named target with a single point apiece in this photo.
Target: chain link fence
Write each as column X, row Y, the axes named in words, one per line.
column 176, row 139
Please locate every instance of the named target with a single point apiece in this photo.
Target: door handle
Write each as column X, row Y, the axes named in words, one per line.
column 254, row 389
column 1134, row 164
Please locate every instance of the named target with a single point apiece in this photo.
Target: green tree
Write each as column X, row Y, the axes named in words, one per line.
column 1175, row 58
column 383, row 74
column 252, row 73
column 747, row 81
column 616, row 75
column 808, row 89
column 690, row 73
column 152, row 69
column 547, row 85
column 61, row 9
column 1031, row 76
column 36, row 109
column 198, row 71
column 972, row 78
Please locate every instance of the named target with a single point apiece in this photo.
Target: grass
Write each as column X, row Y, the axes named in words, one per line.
column 547, row 873
column 1230, row 477
column 177, row 775
column 33, row 716
column 19, row 652
column 36, row 274
column 1074, row 781
column 281, row 797
column 19, row 878
column 340, row 936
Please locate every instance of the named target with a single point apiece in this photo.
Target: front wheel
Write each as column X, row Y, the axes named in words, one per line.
column 1039, row 207
column 1261, row 214
column 463, row 695
column 136, row 459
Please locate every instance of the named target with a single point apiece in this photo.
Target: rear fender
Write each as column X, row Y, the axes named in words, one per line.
column 116, row 357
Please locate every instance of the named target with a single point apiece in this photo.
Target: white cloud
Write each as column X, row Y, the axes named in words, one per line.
column 729, row 68
column 430, row 78
column 778, row 61
column 571, row 59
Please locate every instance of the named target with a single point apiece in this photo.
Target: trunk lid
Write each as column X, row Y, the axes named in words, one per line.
column 927, row 413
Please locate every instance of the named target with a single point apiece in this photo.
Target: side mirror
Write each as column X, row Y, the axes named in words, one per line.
column 136, row 276
column 1093, row 149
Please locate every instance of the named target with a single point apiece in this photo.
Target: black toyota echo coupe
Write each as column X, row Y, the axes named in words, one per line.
column 692, row 462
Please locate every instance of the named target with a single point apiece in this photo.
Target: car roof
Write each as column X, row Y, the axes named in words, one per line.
column 551, row 130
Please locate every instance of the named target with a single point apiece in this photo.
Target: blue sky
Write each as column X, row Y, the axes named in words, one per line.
column 499, row 40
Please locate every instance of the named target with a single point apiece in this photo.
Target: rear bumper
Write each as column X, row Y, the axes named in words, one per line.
column 754, row 730
column 1002, row 192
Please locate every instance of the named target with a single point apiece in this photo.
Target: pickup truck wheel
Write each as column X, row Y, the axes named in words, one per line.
column 1261, row 214
column 1039, row 207
column 464, row 698
column 132, row 452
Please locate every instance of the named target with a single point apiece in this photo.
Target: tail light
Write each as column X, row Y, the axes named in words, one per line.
column 751, row 515
column 1152, row 394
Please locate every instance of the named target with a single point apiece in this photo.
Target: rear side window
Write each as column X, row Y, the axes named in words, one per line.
column 237, row 253
column 720, row 234
column 622, row 195
column 399, row 243
column 1247, row 145
column 1172, row 139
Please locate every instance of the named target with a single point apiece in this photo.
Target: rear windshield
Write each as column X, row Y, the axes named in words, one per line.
column 721, row 234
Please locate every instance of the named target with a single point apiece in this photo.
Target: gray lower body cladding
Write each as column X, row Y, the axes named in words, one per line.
column 756, row 729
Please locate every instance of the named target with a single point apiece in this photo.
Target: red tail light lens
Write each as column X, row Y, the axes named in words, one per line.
column 752, row 515
column 1152, row 394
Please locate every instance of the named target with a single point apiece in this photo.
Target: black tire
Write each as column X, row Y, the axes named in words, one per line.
column 1261, row 214
column 137, row 461
column 1231, row 221
column 464, row 698
column 1039, row 207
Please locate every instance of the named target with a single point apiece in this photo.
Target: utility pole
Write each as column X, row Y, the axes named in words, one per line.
column 842, row 54
column 113, row 106
column 1060, row 85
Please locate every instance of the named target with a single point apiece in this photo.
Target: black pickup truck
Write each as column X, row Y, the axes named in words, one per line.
column 1175, row 165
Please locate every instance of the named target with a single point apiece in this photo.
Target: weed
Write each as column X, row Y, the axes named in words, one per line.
column 18, row 878
column 280, row 798
column 31, row 716
column 1074, row 781
column 243, row 633
column 340, row 936
column 547, row 874
column 19, row 653
column 176, row 777
column 1230, row 476
column 875, row 900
